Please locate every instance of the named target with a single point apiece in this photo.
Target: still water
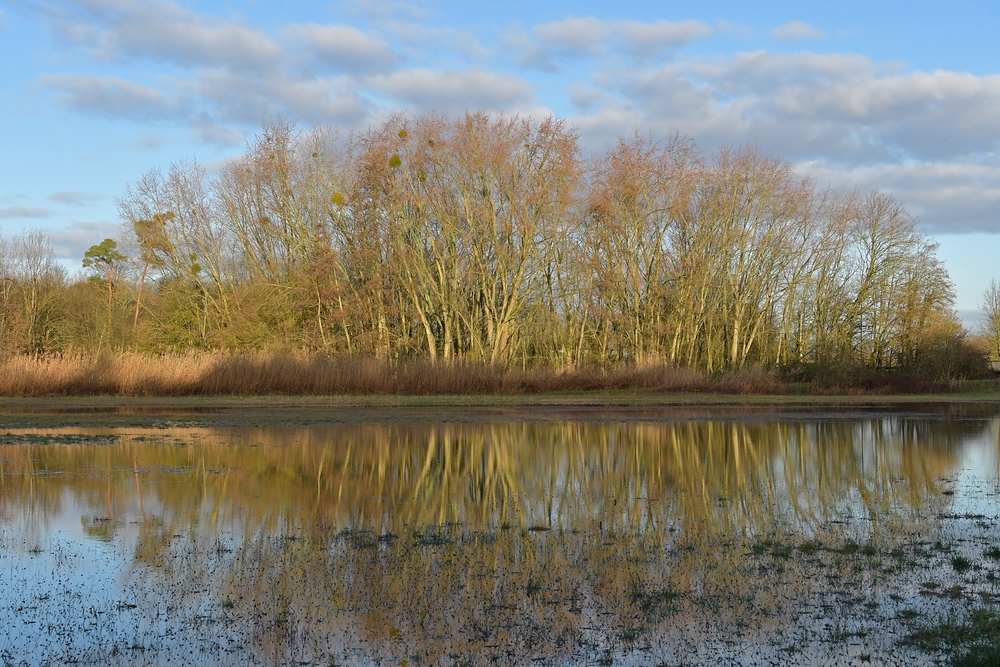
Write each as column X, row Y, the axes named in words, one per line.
column 453, row 538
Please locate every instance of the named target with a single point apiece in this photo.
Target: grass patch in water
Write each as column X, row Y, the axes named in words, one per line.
column 655, row 604
column 851, row 548
column 970, row 642
column 961, row 563
column 808, row 548
column 775, row 549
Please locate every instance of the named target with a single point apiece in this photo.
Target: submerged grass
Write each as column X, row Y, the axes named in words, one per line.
column 973, row 641
column 308, row 373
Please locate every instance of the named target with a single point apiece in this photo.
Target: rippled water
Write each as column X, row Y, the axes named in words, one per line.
column 456, row 537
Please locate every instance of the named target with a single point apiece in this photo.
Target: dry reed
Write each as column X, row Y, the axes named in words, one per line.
column 306, row 373
column 258, row 373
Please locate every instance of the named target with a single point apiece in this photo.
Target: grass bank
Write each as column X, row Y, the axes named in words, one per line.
column 305, row 374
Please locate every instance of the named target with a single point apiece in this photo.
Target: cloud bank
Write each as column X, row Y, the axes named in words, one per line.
column 930, row 137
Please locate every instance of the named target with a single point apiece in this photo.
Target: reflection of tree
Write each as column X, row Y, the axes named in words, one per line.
column 727, row 477
column 458, row 537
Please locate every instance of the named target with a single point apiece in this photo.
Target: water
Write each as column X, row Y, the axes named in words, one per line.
column 465, row 536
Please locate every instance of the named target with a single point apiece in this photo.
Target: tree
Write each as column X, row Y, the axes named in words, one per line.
column 487, row 237
column 513, row 180
column 759, row 206
column 39, row 280
column 195, row 254
column 8, row 308
column 105, row 261
column 638, row 190
column 991, row 320
column 154, row 248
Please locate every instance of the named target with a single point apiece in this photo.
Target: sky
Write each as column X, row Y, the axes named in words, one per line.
column 901, row 97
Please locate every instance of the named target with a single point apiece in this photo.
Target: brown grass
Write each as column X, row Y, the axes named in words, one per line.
column 305, row 373
column 259, row 373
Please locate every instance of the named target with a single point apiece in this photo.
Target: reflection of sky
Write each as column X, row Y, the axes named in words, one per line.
column 977, row 476
column 60, row 576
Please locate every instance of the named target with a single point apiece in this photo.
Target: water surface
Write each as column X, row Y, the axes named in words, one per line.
column 574, row 536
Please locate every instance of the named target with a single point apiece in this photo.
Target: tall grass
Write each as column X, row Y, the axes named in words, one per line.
column 257, row 373
column 300, row 373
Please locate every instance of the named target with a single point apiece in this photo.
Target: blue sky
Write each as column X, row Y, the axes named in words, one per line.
column 903, row 97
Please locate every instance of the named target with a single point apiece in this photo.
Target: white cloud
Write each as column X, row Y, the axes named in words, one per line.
column 841, row 107
column 223, row 76
column 844, row 115
column 25, row 212
column 162, row 31
column 456, row 91
column 249, row 101
column 110, row 96
column 946, row 196
column 603, row 126
column 579, row 37
column 574, row 36
column 436, row 42
column 930, row 138
column 75, row 198
column 385, row 10
column 72, row 241
column 797, row 30
column 972, row 320
column 148, row 141
column 211, row 131
column 648, row 39
column 344, row 47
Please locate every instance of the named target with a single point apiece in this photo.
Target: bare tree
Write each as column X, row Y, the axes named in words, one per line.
column 39, row 280
column 514, row 181
column 487, row 237
column 991, row 317
column 8, row 307
column 638, row 188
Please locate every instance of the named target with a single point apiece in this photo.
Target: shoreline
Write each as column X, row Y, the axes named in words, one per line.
column 610, row 399
column 112, row 412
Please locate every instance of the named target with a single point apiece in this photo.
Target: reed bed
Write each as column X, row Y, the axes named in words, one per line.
column 304, row 373
column 249, row 373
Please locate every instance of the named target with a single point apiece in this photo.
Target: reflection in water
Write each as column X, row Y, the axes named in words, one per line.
column 630, row 542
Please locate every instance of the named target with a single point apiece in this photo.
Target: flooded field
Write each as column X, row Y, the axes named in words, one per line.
column 467, row 536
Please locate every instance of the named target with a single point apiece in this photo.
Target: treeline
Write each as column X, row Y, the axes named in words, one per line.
column 492, row 239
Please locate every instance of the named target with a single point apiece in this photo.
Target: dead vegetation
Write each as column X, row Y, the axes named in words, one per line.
column 310, row 373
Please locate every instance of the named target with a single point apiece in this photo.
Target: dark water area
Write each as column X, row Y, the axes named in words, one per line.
column 551, row 536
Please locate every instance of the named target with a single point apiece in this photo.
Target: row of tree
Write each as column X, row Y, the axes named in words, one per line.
column 491, row 238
